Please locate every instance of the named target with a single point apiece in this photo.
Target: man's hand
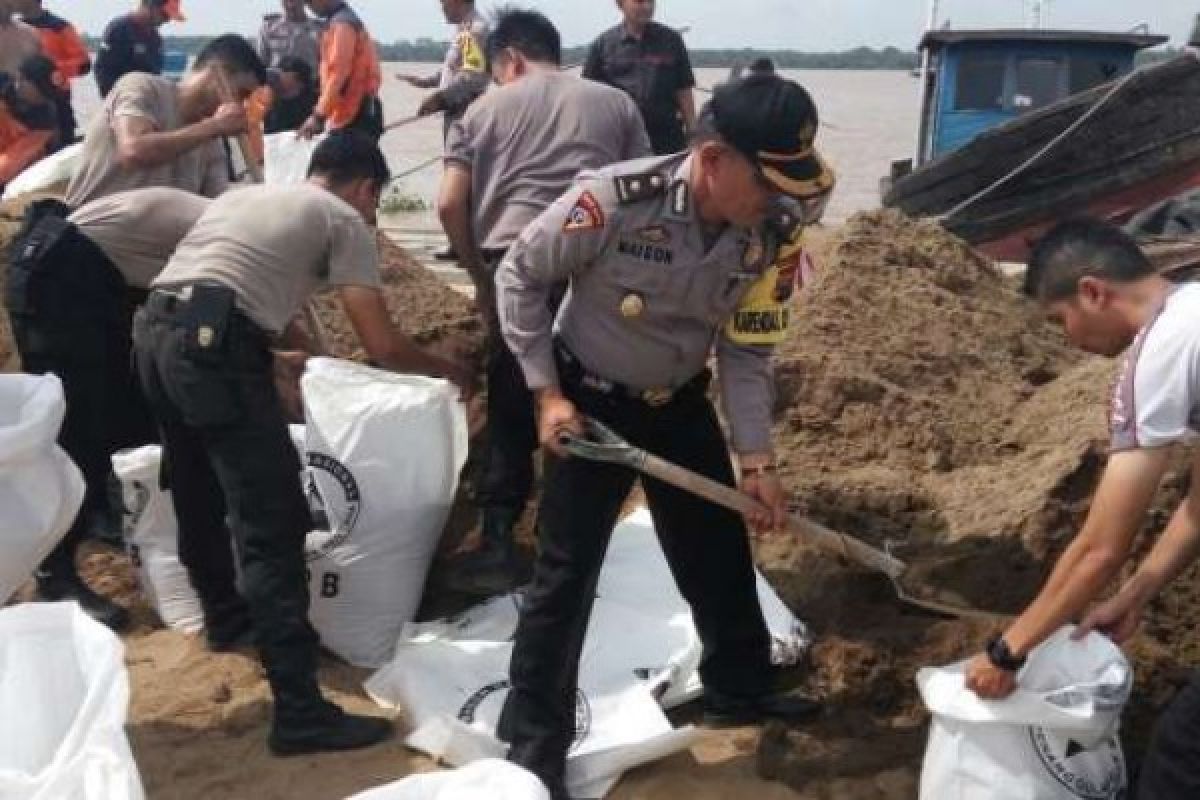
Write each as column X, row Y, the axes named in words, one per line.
column 556, row 415
column 313, row 126
column 989, row 681
column 432, row 104
column 461, row 375
column 229, row 120
column 1117, row 618
column 410, row 79
column 288, row 369
column 767, row 489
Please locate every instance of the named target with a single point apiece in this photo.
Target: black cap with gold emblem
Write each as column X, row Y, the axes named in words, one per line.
column 773, row 122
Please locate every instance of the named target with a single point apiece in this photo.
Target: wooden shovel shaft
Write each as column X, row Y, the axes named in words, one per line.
column 818, row 535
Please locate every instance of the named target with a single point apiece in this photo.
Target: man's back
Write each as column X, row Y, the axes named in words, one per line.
column 525, row 143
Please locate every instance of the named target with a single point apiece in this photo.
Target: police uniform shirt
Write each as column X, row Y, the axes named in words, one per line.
column 274, row 246
column 1156, row 400
column 201, row 170
column 525, row 143
column 139, row 230
column 652, row 70
column 648, row 299
column 281, row 38
column 464, row 75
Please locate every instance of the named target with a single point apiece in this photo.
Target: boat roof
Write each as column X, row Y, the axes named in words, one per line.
column 936, row 39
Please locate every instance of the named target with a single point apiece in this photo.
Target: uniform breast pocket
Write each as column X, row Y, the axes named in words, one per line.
column 721, row 297
column 637, row 288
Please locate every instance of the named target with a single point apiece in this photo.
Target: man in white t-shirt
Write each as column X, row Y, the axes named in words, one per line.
column 1093, row 278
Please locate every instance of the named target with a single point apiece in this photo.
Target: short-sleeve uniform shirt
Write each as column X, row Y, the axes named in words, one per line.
column 1156, row 401
column 652, row 70
column 201, row 170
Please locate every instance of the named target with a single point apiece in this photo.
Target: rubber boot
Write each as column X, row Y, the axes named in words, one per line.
column 493, row 568
column 305, row 722
column 61, row 584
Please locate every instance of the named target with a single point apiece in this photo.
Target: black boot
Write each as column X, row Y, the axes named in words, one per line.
column 728, row 711
column 66, row 585
column 493, row 568
column 227, row 624
column 319, row 726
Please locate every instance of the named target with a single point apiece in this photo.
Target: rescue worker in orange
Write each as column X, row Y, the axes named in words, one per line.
column 28, row 122
column 63, row 45
column 349, row 74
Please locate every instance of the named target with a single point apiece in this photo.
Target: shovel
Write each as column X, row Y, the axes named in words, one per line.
column 601, row 444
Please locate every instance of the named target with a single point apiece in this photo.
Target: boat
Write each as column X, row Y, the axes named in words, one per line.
column 1022, row 128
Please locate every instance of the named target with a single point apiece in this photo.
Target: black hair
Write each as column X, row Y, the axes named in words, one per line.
column 235, row 53
column 1079, row 248
column 530, row 33
column 299, row 67
column 762, row 66
column 349, row 155
column 39, row 71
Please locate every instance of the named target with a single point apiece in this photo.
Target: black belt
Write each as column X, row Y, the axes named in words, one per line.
column 574, row 373
column 168, row 305
column 491, row 255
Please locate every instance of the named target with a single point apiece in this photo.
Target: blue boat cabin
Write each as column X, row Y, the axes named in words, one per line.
column 977, row 80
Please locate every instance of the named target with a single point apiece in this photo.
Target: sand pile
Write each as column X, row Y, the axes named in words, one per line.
column 926, row 405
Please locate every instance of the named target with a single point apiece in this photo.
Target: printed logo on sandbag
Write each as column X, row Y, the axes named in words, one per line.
column 583, row 709
column 335, row 516
column 1095, row 774
column 136, row 499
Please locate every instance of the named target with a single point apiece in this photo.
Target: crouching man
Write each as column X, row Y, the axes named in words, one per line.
column 203, row 348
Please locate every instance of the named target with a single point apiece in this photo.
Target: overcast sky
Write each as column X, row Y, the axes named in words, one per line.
column 812, row 25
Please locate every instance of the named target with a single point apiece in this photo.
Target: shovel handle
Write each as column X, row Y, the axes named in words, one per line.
column 818, row 535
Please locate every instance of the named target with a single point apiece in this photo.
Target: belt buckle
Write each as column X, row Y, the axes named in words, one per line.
column 657, row 398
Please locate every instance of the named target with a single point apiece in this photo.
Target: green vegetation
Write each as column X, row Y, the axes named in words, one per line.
column 399, row 201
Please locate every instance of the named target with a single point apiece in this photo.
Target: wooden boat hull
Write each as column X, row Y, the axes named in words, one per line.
column 1140, row 146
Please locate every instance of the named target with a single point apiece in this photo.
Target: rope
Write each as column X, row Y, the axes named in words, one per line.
column 1040, row 154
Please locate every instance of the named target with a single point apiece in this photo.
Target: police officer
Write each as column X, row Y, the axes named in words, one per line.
column 132, row 43
column 517, row 149
column 349, row 74
column 203, row 346
column 651, row 63
column 289, row 45
column 72, row 289
column 661, row 255
column 464, row 73
column 1092, row 278
column 63, row 45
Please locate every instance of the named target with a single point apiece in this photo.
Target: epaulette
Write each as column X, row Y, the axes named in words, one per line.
column 639, row 187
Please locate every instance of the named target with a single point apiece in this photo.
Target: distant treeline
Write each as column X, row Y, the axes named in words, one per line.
column 430, row 50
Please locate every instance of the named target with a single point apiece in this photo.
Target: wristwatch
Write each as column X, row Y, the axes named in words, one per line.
column 1001, row 656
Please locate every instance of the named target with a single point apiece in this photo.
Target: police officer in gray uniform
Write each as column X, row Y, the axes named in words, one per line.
column 516, row 150
column 662, row 255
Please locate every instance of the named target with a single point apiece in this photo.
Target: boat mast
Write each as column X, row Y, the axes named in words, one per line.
column 1039, row 13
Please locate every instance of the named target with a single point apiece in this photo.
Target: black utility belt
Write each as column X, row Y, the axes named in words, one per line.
column 207, row 313
column 573, row 373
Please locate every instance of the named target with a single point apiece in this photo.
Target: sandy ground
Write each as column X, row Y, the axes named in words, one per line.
column 923, row 404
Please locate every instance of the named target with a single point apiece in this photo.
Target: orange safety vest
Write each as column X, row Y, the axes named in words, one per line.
column 62, row 44
column 20, row 146
column 349, row 68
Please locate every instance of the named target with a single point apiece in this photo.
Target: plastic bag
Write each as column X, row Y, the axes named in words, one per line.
column 1055, row 738
column 492, row 779
column 286, row 157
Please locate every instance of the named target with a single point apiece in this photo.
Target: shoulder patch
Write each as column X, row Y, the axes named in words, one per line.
column 636, row 188
column 586, row 215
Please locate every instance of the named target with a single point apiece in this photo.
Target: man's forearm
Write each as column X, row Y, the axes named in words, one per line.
column 153, row 149
column 456, row 220
column 1172, row 554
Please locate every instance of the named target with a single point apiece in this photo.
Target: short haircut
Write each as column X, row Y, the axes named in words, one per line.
column 349, row 155
column 530, row 33
column 297, row 66
column 1080, row 248
column 235, row 54
column 39, row 71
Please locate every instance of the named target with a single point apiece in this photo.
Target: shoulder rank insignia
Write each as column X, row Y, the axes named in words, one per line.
column 586, row 215
column 635, row 188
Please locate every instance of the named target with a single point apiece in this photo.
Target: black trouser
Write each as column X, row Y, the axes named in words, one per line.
column 66, row 120
column 228, row 453
column 1171, row 769
column 369, row 119
column 705, row 545
column 71, row 314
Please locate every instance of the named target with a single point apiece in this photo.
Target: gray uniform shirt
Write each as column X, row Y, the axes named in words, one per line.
column 280, row 38
column 139, row 230
column 464, row 75
column 525, row 142
column 274, row 246
column 648, row 301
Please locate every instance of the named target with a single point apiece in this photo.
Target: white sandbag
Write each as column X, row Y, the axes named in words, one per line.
column 641, row 654
column 1055, row 738
column 286, row 157
column 493, row 779
column 40, row 489
column 64, row 694
column 152, row 539
column 54, row 169
column 384, row 452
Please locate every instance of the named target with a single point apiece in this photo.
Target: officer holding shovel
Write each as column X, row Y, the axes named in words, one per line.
column 662, row 256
